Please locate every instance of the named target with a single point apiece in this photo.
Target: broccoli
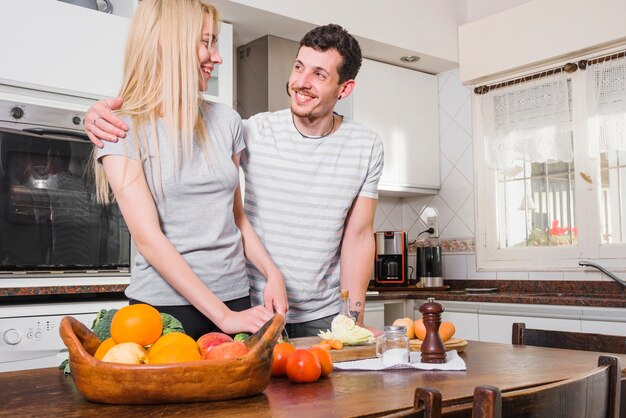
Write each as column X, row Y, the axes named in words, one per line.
column 171, row 324
column 102, row 324
column 242, row 336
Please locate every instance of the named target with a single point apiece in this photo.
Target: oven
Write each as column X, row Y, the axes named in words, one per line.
column 52, row 230
column 53, row 233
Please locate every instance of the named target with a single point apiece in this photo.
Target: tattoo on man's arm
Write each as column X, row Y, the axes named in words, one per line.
column 357, row 312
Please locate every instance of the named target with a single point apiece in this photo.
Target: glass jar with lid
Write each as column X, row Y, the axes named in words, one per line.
column 393, row 346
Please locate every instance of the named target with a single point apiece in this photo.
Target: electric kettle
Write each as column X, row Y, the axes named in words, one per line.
column 92, row 4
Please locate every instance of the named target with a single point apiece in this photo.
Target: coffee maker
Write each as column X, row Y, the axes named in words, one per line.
column 390, row 265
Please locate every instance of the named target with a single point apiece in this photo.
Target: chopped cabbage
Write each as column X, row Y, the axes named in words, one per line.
column 347, row 331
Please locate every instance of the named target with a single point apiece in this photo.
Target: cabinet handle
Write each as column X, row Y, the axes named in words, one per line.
column 586, row 177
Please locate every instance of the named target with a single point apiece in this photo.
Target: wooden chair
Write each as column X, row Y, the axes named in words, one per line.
column 593, row 395
column 573, row 341
column 570, row 340
column 426, row 404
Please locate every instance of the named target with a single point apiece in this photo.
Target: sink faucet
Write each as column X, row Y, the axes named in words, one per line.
column 603, row 270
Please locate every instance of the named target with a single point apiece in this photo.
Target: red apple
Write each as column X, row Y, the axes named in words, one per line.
column 212, row 339
column 232, row 349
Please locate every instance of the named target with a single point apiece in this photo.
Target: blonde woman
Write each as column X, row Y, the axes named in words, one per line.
column 175, row 177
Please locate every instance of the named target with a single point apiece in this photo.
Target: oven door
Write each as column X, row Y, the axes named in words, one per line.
column 50, row 222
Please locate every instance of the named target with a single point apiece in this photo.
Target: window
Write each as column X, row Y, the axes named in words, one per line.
column 552, row 186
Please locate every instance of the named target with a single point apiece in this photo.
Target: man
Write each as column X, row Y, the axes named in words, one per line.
column 311, row 183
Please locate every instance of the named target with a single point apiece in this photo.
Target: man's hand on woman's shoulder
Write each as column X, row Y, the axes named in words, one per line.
column 101, row 124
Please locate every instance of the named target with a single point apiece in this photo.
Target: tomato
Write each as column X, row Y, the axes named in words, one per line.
column 279, row 358
column 325, row 359
column 303, row 367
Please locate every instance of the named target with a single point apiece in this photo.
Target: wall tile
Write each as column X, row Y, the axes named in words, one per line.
column 444, row 122
column 545, row 275
column 466, row 214
column 445, row 166
column 473, row 274
column 512, row 275
column 455, row 190
column 455, row 229
column 452, row 95
column 454, row 266
column 464, row 115
column 454, row 142
column 395, row 216
column 465, row 165
column 409, row 216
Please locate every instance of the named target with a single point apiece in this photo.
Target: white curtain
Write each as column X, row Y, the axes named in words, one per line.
column 528, row 122
column 606, row 87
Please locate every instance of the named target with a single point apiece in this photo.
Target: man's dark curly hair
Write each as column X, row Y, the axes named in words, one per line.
column 334, row 36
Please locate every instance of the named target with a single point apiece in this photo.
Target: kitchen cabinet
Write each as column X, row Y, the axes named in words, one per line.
column 77, row 52
column 402, row 106
column 374, row 315
column 610, row 321
column 377, row 314
column 63, row 48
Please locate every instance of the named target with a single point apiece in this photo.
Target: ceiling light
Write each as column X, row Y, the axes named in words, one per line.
column 409, row 58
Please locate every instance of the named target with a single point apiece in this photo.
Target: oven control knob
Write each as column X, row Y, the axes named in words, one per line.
column 17, row 112
column 11, row 336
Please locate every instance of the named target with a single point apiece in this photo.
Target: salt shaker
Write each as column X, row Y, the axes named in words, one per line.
column 433, row 349
column 393, row 346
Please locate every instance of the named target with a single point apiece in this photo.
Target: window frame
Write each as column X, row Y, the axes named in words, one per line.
column 586, row 205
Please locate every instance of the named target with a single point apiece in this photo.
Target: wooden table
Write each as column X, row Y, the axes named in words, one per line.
column 47, row 392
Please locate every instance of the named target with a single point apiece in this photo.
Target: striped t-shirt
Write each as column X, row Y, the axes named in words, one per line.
column 297, row 196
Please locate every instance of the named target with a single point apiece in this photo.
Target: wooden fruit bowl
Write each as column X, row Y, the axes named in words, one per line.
column 203, row 380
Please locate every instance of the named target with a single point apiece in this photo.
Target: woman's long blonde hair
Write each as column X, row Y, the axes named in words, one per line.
column 161, row 80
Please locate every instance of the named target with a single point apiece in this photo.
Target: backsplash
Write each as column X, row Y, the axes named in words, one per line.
column 455, row 202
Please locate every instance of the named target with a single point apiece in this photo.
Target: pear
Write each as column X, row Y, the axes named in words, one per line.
column 128, row 353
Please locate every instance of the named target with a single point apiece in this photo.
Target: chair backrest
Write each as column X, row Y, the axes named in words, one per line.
column 592, row 395
column 426, row 404
column 571, row 340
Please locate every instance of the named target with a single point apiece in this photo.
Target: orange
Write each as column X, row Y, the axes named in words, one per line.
column 175, row 353
column 326, row 361
column 420, row 329
column 408, row 323
column 446, row 330
column 172, row 338
column 103, row 348
column 138, row 323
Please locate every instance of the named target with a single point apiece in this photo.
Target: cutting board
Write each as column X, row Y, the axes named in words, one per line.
column 358, row 352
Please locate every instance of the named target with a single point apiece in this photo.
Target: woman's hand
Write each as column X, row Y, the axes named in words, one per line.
column 102, row 124
column 249, row 320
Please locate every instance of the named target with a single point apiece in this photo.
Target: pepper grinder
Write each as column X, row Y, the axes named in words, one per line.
column 433, row 349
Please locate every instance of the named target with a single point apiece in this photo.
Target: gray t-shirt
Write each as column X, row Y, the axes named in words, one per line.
column 195, row 210
column 298, row 194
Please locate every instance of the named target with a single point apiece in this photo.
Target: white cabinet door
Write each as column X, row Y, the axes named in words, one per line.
column 499, row 328
column 611, row 321
column 374, row 315
column 374, row 105
column 401, row 105
column 495, row 320
column 61, row 48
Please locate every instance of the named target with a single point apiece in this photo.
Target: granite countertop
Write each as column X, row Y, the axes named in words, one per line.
column 572, row 293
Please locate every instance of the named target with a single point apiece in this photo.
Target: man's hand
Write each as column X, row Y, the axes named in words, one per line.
column 275, row 294
column 102, row 125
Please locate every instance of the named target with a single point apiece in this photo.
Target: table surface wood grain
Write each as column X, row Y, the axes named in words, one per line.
column 47, row 392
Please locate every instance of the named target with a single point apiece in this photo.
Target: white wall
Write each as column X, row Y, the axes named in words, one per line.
column 537, row 33
column 421, row 25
